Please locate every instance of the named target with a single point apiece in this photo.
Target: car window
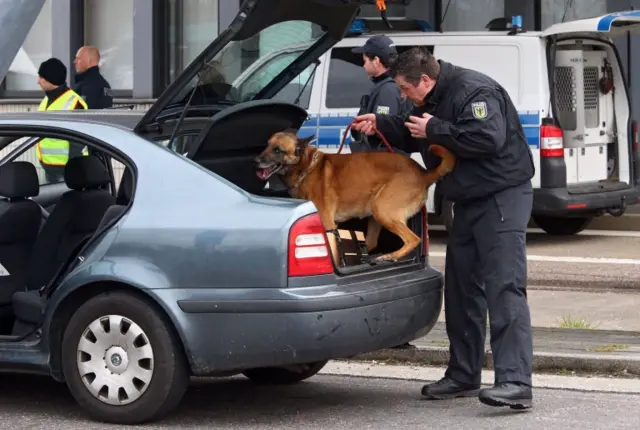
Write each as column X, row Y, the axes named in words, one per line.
column 231, row 67
column 50, row 170
column 253, row 83
column 347, row 81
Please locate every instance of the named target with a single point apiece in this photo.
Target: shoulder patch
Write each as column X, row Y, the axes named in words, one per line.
column 382, row 110
column 479, row 110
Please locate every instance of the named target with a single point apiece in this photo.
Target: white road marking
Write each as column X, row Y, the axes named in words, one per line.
column 574, row 260
column 424, row 374
column 610, row 233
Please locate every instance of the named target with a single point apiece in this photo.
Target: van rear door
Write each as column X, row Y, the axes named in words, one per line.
column 590, row 101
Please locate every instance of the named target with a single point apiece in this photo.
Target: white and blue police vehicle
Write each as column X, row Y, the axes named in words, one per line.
column 567, row 83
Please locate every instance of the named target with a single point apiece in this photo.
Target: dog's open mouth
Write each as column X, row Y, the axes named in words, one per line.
column 265, row 173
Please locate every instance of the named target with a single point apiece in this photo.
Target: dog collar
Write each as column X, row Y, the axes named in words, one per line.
column 306, row 172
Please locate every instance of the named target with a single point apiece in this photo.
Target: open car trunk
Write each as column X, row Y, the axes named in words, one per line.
column 235, row 136
column 590, row 102
column 231, row 83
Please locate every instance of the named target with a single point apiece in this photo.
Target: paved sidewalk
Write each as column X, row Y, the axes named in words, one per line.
column 603, row 349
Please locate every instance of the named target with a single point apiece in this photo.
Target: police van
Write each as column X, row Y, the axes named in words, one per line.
column 566, row 82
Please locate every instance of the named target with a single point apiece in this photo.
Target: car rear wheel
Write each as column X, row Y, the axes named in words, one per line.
column 284, row 375
column 562, row 226
column 121, row 360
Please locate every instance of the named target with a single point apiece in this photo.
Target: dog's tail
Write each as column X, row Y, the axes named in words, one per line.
column 447, row 163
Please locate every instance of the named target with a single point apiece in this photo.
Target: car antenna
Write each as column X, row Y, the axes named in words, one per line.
column 186, row 107
column 444, row 14
column 382, row 7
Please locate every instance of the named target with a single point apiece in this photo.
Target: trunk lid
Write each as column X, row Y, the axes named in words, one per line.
column 265, row 26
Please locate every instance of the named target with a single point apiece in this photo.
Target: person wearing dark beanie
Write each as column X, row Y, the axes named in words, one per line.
column 54, row 153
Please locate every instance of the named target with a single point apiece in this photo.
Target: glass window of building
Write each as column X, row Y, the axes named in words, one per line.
column 23, row 72
column 108, row 25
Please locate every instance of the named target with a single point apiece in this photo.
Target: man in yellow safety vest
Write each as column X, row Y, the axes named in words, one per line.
column 54, row 153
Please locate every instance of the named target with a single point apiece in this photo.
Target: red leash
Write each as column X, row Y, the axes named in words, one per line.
column 386, row 142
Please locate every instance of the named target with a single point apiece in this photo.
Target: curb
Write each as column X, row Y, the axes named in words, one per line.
column 542, row 361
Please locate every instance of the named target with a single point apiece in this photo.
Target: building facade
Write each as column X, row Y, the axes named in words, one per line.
column 145, row 44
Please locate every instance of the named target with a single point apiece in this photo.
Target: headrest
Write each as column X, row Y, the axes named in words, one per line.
column 85, row 172
column 19, row 179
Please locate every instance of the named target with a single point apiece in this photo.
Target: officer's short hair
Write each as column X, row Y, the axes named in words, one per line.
column 386, row 61
column 414, row 63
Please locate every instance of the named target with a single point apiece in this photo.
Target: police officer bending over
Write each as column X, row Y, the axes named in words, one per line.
column 486, row 265
column 378, row 53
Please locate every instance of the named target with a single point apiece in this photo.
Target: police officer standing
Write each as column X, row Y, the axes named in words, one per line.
column 378, row 53
column 90, row 83
column 472, row 115
column 53, row 154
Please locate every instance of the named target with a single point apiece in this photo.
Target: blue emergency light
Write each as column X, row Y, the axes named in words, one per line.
column 358, row 26
column 516, row 21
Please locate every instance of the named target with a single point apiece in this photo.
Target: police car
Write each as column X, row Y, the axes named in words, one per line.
column 566, row 81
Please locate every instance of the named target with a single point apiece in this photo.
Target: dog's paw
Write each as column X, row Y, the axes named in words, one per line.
column 386, row 257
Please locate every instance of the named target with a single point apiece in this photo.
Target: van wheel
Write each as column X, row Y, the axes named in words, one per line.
column 121, row 360
column 284, row 375
column 447, row 214
column 562, row 226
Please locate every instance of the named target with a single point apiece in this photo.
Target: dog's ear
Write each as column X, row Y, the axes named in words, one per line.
column 303, row 142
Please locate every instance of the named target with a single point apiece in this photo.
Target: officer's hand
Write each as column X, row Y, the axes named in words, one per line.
column 418, row 126
column 365, row 124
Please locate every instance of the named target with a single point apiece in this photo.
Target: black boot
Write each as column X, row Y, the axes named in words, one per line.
column 406, row 345
column 447, row 388
column 516, row 396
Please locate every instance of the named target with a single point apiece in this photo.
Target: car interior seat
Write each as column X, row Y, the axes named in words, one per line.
column 76, row 216
column 20, row 220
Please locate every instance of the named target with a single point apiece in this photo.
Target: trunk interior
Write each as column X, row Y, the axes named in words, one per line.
column 240, row 170
column 591, row 106
column 228, row 147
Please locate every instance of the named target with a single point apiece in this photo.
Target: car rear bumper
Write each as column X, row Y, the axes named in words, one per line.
column 312, row 324
column 560, row 202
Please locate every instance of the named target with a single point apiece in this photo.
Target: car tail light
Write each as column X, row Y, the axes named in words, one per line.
column 551, row 144
column 309, row 252
column 634, row 126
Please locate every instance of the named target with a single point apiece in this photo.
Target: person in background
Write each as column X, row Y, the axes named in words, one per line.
column 384, row 98
column 53, row 154
column 90, row 83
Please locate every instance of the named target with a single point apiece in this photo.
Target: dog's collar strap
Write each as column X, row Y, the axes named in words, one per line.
column 309, row 170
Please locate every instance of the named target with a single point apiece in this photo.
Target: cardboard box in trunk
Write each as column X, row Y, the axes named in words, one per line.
column 350, row 249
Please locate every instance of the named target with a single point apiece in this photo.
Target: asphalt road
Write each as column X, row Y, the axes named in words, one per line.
column 324, row 402
column 594, row 259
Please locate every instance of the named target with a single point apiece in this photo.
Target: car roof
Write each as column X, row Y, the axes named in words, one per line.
column 116, row 118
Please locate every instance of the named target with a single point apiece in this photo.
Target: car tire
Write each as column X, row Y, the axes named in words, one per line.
column 447, row 214
column 284, row 375
column 562, row 226
column 155, row 377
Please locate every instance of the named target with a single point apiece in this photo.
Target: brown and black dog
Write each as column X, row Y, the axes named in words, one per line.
column 387, row 186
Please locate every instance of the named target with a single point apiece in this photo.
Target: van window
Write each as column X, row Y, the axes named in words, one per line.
column 347, row 81
column 290, row 92
column 490, row 60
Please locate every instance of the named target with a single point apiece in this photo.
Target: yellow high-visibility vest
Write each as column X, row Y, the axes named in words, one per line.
column 55, row 152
